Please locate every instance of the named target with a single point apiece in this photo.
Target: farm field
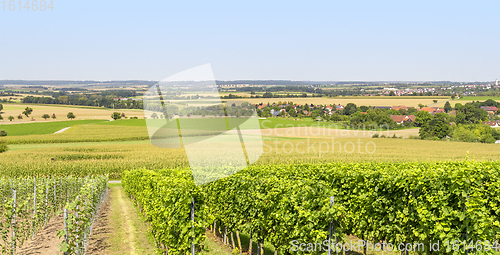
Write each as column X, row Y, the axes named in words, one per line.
column 42, row 128
column 478, row 98
column 465, row 100
column 81, row 158
column 81, row 112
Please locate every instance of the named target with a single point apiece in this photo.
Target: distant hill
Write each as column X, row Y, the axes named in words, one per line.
column 68, row 83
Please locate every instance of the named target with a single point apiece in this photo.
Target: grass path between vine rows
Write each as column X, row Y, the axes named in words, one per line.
column 120, row 229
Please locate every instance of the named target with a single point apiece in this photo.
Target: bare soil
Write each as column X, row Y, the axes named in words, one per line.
column 46, row 240
column 99, row 241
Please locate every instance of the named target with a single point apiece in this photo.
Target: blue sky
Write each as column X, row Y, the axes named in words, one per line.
column 308, row 40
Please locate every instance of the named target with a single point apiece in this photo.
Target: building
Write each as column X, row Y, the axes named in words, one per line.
column 400, row 107
column 432, row 110
column 493, row 124
column 401, row 119
column 490, row 109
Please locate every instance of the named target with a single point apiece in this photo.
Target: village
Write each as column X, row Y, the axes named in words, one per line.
column 401, row 114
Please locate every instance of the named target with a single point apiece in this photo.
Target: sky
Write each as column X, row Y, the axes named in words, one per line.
column 289, row 40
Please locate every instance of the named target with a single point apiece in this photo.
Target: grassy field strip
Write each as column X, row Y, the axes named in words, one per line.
column 23, row 129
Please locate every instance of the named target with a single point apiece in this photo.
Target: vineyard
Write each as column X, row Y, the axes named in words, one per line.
column 378, row 202
column 28, row 204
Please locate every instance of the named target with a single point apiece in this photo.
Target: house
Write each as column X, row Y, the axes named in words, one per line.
column 399, row 107
column 489, row 108
column 274, row 113
column 401, row 119
column 339, row 107
column 454, row 112
column 432, row 110
column 492, row 124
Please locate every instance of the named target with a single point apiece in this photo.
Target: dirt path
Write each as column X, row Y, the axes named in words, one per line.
column 62, row 130
column 120, row 229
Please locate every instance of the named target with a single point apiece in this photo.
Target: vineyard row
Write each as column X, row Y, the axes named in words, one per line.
column 377, row 202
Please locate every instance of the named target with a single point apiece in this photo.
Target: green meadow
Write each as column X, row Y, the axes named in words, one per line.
column 40, row 128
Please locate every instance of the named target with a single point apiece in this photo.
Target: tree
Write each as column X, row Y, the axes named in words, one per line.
column 53, row 116
column 435, row 101
column 11, row 117
column 19, row 117
column 70, row 115
column 3, row 133
column 422, row 118
column 45, row 116
column 3, row 147
column 154, row 115
column 350, row 108
column 123, row 115
column 438, row 127
column 1, row 107
column 315, row 113
column 453, row 97
column 27, row 111
column 447, row 107
column 468, row 114
column 116, row 116
column 421, row 105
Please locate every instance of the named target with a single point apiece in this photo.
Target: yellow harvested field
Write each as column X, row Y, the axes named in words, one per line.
column 313, row 132
column 81, row 112
column 413, row 102
column 452, row 103
column 319, row 132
